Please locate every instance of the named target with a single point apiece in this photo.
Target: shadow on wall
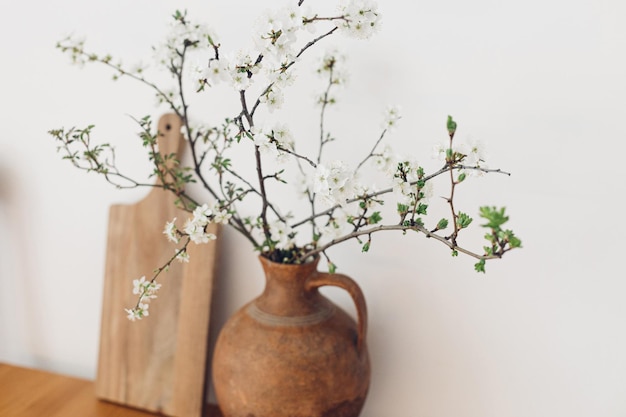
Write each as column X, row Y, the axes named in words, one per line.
column 20, row 330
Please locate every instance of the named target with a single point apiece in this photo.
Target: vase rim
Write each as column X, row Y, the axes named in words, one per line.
column 312, row 260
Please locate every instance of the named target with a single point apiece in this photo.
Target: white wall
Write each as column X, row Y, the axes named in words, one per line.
column 542, row 82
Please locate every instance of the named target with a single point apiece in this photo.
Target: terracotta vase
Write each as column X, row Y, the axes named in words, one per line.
column 291, row 352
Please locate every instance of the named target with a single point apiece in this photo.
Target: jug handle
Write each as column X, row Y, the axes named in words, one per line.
column 322, row 279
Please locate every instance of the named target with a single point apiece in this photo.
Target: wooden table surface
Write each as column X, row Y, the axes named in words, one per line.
column 31, row 393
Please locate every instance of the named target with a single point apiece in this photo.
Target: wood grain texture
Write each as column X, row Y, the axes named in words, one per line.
column 32, row 393
column 158, row 363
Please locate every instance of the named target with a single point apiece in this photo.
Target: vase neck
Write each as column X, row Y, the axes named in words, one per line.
column 285, row 293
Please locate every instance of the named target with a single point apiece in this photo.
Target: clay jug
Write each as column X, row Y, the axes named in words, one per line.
column 291, row 352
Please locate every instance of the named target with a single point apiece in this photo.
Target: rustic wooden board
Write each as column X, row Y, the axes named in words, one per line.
column 158, row 363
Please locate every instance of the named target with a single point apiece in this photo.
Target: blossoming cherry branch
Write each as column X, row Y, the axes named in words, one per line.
column 342, row 205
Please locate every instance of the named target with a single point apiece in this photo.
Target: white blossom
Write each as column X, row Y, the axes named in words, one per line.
column 362, row 19
column 476, row 153
column 265, row 144
column 145, row 289
column 473, row 151
column 334, row 184
column 440, row 150
column 219, row 70
column 330, row 231
column 183, row 34
column 282, row 78
column 320, row 181
column 301, row 184
column 308, row 14
column 273, row 99
column 239, row 80
column 201, row 215
column 138, row 68
column 170, row 231
column 235, row 69
column 404, row 180
column 336, row 227
column 195, row 70
column 428, row 191
column 138, row 312
column 402, row 188
column 283, row 158
column 196, row 232
column 276, row 33
column 138, row 285
column 199, row 237
column 332, row 62
column 281, row 234
column 386, row 161
column 195, row 227
column 222, row 216
column 391, row 118
column 283, row 136
column 182, row 257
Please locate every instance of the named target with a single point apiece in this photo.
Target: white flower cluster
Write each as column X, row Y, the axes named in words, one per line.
column 237, row 70
column 335, row 183
column 183, row 34
column 335, row 227
column 473, row 152
column 386, row 161
column 273, row 98
column 195, row 227
column 146, row 290
column 277, row 33
column 362, row 19
column 333, row 62
column 276, row 40
column 282, row 235
column 391, row 118
column 276, row 142
column 332, row 68
column 404, row 180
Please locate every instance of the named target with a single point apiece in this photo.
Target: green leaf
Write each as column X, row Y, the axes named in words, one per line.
column 402, row 208
column 422, row 209
column 374, row 218
column 461, row 177
column 443, row 223
column 366, row 246
column 463, row 220
column 513, row 240
column 495, row 217
column 332, row 268
column 480, row 266
column 455, row 252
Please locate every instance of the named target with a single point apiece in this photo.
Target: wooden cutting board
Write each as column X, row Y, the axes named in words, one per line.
column 157, row 363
